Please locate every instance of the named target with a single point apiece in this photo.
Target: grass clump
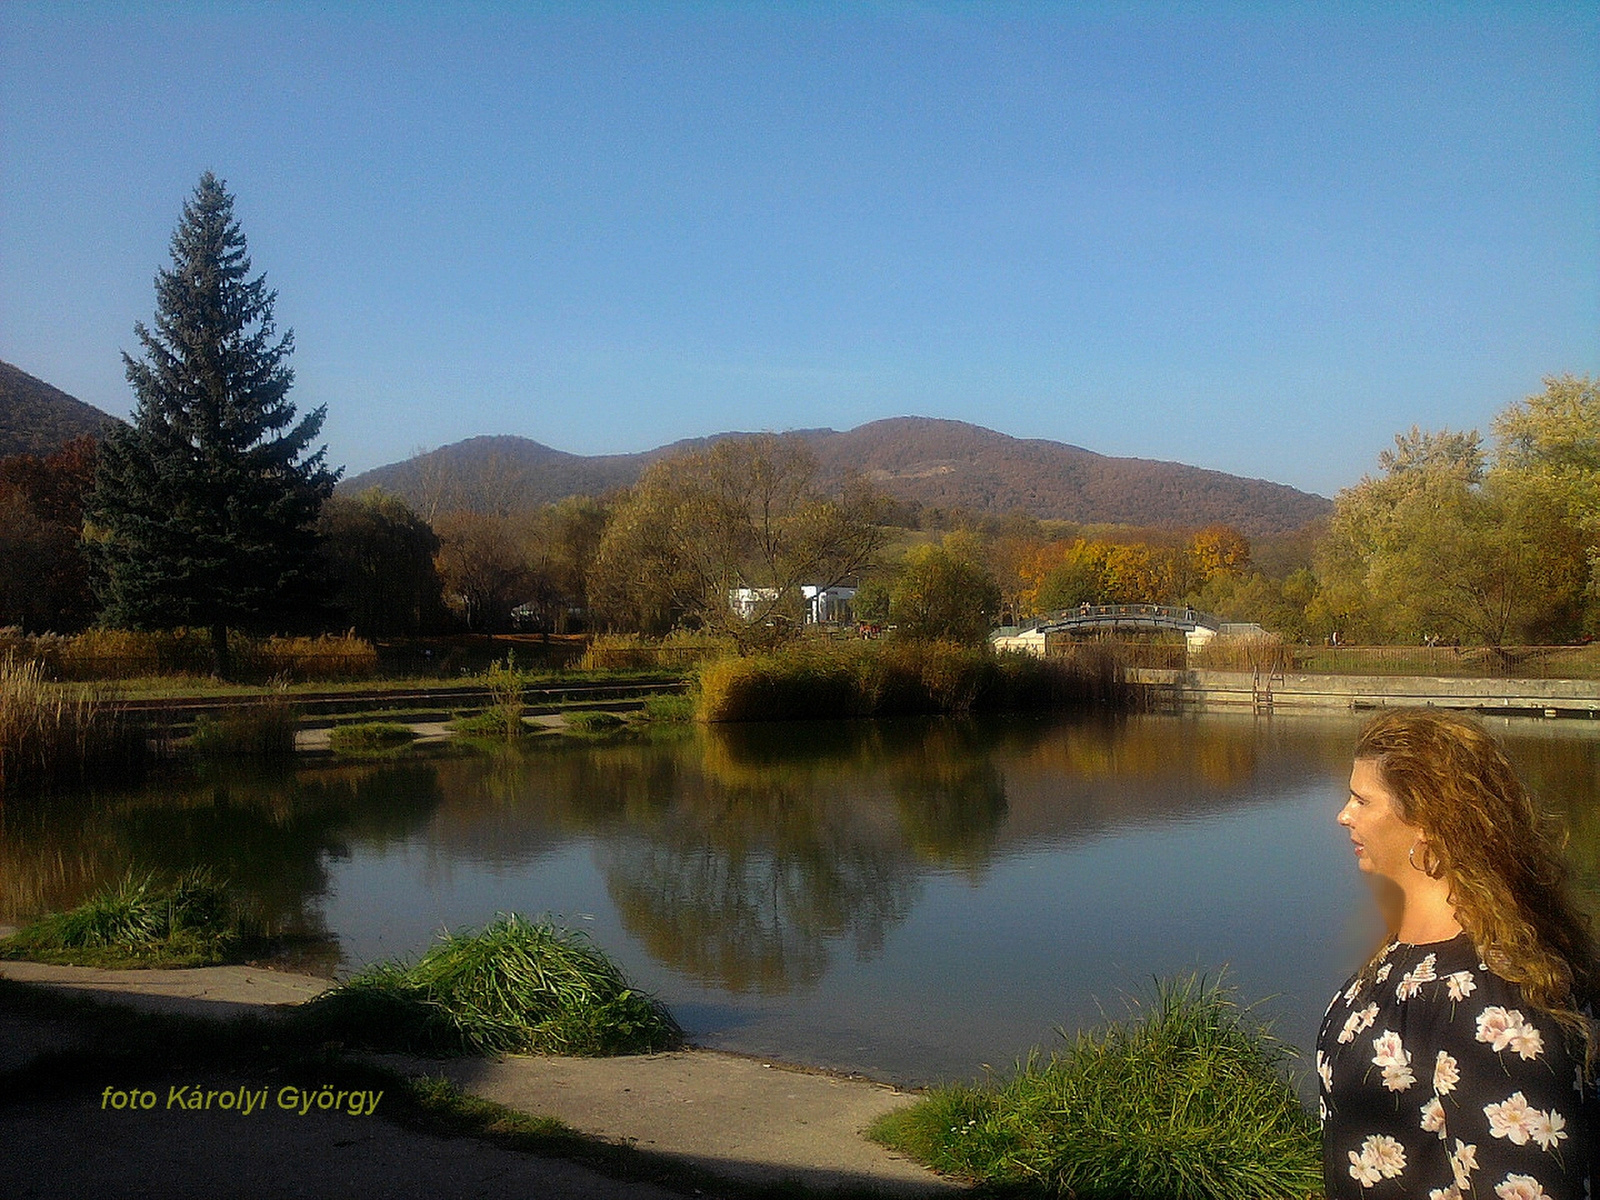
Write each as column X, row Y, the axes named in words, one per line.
column 263, row 729
column 140, row 922
column 491, row 723
column 1190, row 1102
column 516, row 986
column 369, row 737
column 669, row 709
column 592, row 722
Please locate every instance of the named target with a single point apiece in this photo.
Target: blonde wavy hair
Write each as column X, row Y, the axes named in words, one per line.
column 1500, row 856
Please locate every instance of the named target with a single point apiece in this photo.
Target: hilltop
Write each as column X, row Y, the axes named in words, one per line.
column 919, row 461
column 36, row 418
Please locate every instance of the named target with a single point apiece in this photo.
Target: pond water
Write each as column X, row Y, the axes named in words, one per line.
column 912, row 900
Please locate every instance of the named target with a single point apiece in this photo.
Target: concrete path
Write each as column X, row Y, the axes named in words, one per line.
column 737, row 1118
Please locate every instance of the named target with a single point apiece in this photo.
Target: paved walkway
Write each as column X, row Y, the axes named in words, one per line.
column 737, row 1118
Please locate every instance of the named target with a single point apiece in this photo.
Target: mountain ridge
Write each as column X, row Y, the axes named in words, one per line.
column 39, row 418
column 927, row 461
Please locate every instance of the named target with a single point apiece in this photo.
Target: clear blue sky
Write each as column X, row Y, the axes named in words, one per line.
column 1214, row 233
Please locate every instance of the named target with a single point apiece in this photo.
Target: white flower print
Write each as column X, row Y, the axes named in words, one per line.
column 1381, row 1157
column 1357, row 1023
column 1511, row 1119
column 1547, row 1128
column 1433, row 1117
column 1446, row 1193
column 1322, row 1110
column 1383, row 972
column 1496, row 1025
column 1527, row 1041
column 1463, row 1162
column 1350, row 992
column 1460, row 984
column 1521, row 1187
column 1445, row 1074
column 1411, row 982
column 1395, row 1060
column 1325, row 1071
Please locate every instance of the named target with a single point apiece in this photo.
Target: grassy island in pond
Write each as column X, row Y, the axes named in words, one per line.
column 516, row 986
column 1188, row 1102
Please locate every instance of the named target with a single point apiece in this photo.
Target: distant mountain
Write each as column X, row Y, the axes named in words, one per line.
column 918, row 460
column 36, row 418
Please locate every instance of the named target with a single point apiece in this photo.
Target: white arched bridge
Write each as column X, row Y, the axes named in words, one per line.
column 1197, row 627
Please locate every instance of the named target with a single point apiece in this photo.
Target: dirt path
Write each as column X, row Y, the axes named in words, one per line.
column 736, row 1118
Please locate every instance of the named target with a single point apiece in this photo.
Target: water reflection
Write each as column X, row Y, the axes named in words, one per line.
column 823, row 887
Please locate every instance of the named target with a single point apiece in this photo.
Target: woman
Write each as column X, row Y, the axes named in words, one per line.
column 1459, row 1062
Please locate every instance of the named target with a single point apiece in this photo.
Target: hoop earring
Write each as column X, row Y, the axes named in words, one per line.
column 1434, row 871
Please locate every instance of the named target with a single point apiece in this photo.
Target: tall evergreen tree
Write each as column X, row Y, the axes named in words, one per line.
column 204, row 509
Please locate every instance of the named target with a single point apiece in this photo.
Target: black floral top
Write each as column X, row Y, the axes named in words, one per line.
column 1439, row 1082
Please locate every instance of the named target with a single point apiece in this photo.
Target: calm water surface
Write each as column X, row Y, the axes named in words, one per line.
column 912, row 900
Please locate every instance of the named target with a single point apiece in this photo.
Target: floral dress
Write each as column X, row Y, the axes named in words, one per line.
column 1439, row 1082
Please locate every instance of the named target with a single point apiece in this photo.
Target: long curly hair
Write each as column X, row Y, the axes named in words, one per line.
column 1500, row 856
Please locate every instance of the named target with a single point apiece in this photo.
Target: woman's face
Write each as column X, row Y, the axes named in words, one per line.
column 1382, row 840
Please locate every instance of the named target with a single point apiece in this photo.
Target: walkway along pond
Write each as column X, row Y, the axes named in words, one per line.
column 908, row 899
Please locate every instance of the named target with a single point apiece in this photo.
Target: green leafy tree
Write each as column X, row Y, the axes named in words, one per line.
column 944, row 592
column 204, row 509
column 380, row 557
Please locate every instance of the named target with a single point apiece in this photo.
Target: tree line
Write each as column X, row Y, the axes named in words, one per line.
column 215, row 509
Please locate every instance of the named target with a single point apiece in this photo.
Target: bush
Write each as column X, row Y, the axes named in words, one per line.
column 369, row 737
column 1191, row 1102
column 515, row 987
column 669, row 709
column 50, row 734
column 138, row 921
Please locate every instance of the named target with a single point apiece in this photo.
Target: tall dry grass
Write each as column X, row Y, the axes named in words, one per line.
column 104, row 654
column 53, row 735
column 631, row 652
column 873, row 679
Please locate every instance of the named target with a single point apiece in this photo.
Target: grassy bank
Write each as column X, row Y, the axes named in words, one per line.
column 140, row 921
column 881, row 679
column 516, row 986
column 1187, row 1102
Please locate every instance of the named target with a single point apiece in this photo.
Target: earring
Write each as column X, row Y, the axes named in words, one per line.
column 1432, row 871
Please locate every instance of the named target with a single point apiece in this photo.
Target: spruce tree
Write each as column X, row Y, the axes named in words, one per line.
column 204, row 509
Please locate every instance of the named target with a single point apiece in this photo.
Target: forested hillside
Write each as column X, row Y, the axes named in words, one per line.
column 36, row 418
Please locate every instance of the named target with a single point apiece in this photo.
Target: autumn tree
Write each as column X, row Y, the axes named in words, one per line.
column 483, row 569
column 204, row 508
column 744, row 513
column 944, row 592
column 44, row 577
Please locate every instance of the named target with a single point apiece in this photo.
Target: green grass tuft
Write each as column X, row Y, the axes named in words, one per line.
column 595, row 722
column 140, row 922
column 263, row 729
column 669, row 708
column 491, row 723
column 516, row 986
column 369, row 737
column 1189, row 1102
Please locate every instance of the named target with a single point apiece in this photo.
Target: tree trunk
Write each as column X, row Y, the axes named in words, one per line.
column 222, row 666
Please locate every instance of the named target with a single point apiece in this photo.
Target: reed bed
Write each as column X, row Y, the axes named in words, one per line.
column 191, row 921
column 516, row 986
column 50, row 735
column 870, row 679
column 679, row 650
column 105, row 654
column 1189, row 1101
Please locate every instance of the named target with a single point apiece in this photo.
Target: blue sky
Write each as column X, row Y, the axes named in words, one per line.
column 1256, row 238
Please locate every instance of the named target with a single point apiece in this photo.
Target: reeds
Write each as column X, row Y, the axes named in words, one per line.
column 139, row 921
column 1188, row 1102
column 103, row 654
column 517, row 986
column 824, row 680
column 51, row 735
column 261, row 729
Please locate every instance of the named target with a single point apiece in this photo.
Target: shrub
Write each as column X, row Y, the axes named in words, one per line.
column 50, row 734
column 369, row 737
column 1191, row 1102
column 139, row 921
column 515, row 987
column 671, row 708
